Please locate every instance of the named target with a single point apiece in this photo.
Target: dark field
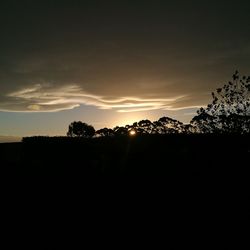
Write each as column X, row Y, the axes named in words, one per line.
column 147, row 155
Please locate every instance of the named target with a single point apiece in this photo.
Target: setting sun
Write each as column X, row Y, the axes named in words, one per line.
column 132, row 132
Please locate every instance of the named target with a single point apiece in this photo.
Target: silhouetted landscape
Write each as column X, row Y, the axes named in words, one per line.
column 184, row 155
column 215, row 143
column 135, row 111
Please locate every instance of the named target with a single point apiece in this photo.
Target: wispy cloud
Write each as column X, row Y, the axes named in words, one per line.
column 46, row 98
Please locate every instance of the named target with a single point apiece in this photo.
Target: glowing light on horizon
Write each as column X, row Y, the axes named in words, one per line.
column 132, row 132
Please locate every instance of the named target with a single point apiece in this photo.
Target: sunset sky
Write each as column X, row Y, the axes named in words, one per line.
column 111, row 63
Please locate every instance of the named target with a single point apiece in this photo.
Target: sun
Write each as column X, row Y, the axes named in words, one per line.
column 132, row 132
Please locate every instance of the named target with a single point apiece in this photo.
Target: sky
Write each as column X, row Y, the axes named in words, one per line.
column 111, row 63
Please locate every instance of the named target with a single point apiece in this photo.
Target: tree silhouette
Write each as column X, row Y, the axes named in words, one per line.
column 229, row 111
column 166, row 125
column 105, row 132
column 80, row 129
column 145, row 127
column 120, row 131
column 135, row 127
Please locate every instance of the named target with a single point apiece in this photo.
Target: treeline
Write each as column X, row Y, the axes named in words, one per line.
column 164, row 125
column 53, row 139
column 228, row 113
column 150, row 154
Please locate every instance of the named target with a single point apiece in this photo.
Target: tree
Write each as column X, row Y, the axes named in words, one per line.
column 104, row 132
column 168, row 125
column 229, row 111
column 80, row 129
column 145, row 127
column 120, row 131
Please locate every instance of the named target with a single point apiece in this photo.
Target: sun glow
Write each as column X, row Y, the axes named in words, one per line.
column 132, row 132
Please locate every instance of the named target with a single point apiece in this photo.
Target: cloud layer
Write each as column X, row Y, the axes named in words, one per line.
column 166, row 56
column 46, row 98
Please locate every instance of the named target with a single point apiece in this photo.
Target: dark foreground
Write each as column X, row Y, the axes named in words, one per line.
column 172, row 155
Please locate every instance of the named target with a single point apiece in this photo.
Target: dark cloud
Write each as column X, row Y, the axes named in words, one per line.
column 135, row 56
